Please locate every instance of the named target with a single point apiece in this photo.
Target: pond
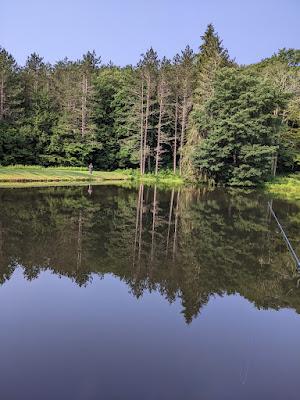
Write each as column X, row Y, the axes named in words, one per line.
column 114, row 292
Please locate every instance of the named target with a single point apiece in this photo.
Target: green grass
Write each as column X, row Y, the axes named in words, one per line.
column 19, row 175
column 52, row 174
column 164, row 177
column 285, row 186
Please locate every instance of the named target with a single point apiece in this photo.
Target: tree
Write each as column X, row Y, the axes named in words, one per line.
column 107, row 86
column 242, row 130
column 283, row 71
column 129, row 121
column 11, row 108
column 211, row 58
column 186, row 85
column 149, row 70
column 163, row 93
column 87, row 67
column 10, row 87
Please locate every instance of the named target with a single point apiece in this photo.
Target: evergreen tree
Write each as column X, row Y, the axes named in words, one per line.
column 11, row 108
column 242, row 130
column 283, row 71
column 186, row 86
column 211, row 58
column 107, row 85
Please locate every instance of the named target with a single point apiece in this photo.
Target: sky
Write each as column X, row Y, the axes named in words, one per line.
column 121, row 30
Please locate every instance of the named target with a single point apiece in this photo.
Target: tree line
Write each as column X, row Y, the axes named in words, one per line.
column 199, row 114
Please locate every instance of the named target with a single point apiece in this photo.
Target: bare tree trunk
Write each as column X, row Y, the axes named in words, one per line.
column 84, row 104
column 274, row 164
column 159, row 134
column 146, row 122
column 275, row 157
column 142, row 130
column 182, row 132
column 2, row 98
column 175, row 137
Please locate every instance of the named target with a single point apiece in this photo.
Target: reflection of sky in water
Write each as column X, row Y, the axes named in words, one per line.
column 58, row 339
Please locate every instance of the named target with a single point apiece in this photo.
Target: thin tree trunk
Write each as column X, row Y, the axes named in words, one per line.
column 84, row 105
column 142, row 130
column 146, row 122
column 2, row 98
column 175, row 137
column 275, row 157
column 274, row 164
column 182, row 133
column 159, row 134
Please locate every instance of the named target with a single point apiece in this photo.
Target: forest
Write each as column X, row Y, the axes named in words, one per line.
column 200, row 115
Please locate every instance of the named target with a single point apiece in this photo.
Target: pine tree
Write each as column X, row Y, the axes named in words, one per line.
column 163, row 98
column 242, row 129
column 149, row 70
column 129, row 123
column 211, row 58
column 87, row 67
column 11, row 108
column 107, row 86
column 186, row 86
column 10, row 87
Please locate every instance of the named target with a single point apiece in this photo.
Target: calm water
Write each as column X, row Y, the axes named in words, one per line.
column 119, row 293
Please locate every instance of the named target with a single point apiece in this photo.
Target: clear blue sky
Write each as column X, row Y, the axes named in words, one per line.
column 120, row 30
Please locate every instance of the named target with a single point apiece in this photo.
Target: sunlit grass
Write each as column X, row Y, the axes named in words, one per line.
column 286, row 186
column 52, row 174
column 18, row 175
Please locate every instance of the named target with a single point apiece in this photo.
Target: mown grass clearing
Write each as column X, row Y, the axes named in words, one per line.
column 53, row 174
column 25, row 176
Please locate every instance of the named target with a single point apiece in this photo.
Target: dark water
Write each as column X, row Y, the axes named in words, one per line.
column 119, row 293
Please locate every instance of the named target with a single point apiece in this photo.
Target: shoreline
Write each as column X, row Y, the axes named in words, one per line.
column 287, row 187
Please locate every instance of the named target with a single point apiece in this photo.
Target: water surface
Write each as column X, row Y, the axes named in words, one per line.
column 141, row 293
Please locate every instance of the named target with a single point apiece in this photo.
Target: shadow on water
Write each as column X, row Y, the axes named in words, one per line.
column 184, row 243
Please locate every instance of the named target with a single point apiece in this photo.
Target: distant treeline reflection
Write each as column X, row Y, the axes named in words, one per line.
column 185, row 243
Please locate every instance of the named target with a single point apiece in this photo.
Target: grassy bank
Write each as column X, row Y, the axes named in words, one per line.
column 13, row 174
column 41, row 176
column 286, row 186
column 28, row 176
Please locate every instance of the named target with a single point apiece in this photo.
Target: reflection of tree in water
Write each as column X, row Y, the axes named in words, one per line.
column 189, row 244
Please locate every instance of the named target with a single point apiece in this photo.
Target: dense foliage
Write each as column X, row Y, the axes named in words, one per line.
column 198, row 114
column 241, row 130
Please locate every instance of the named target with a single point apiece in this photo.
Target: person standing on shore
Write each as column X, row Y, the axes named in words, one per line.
column 91, row 168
